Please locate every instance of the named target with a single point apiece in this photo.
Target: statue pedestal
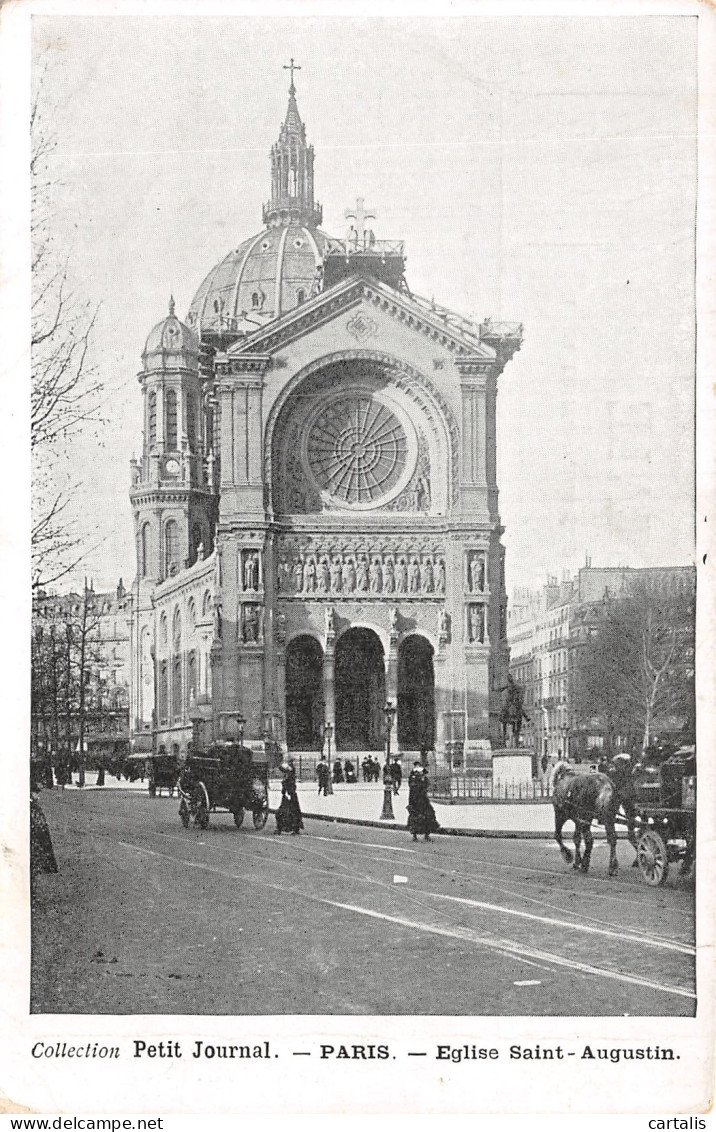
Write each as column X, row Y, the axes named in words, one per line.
column 511, row 767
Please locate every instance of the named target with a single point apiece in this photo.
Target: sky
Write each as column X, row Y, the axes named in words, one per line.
column 539, row 170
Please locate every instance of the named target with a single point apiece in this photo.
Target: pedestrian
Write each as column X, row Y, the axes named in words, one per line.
column 323, row 774
column 421, row 815
column 338, row 771
column 367, row 768
column 288, row 815
column 350, row 772
column 397, row 775
column 42, row 854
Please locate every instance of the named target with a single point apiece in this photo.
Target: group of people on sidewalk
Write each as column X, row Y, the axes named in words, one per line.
column 421, row 815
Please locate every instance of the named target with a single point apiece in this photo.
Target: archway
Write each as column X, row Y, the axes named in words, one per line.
column 360, row 691
column 304, row 694
column 416, row 695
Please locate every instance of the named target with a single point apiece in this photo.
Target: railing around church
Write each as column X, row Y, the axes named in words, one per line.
column 481, row 787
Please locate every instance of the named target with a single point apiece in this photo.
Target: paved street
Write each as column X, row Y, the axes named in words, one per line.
column 146, row 917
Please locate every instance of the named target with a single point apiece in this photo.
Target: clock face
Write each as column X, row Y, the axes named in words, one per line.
column 359, row 450
column 171, row 467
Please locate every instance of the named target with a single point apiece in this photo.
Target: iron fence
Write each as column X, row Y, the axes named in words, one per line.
column 480, row 787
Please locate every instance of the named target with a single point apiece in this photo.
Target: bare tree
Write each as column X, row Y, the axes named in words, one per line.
column 636, row 670
column 65, row 390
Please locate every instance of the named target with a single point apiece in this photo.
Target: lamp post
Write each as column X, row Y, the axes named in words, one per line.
column 387, row 814
column 327, row 733
column 241, row 724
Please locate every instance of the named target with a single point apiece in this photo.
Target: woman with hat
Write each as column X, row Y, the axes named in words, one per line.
column 288, row 815
column 421, row 815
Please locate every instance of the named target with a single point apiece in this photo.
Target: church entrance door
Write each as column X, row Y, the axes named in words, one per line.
column 304, row 694
column 360, row 691
column 416, row 695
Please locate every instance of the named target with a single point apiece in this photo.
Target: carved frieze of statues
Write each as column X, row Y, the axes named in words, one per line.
column 316, row 571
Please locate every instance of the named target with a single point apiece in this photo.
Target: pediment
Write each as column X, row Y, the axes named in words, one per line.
column 370, row 299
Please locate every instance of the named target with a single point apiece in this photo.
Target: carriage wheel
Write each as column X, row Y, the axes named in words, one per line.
column 239, row 817
column 260, row 816
column 184, row 813
column 199, row 805
column 652, row 857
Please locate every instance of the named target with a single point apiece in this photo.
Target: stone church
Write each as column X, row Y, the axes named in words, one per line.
column 315, row 505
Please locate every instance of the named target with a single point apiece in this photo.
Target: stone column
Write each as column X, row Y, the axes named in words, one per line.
column 329, row 673
column 391, row 673
column 267, row 567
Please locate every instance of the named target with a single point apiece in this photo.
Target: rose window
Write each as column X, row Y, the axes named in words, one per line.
column 359, row 450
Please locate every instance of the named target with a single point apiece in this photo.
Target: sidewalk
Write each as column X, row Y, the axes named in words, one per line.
column 362, row 805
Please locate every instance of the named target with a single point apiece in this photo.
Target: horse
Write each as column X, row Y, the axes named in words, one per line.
column 584, row 797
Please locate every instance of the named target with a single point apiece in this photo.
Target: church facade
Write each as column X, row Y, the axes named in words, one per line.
column 316, row 506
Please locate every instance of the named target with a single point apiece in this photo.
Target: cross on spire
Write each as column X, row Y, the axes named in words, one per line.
column 360, row 214
column 291, row 67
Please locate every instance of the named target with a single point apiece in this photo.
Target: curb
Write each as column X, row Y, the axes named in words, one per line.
column 515, row 835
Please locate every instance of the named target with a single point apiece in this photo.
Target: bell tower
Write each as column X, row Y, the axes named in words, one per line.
column 292, row 172
column 172, row 493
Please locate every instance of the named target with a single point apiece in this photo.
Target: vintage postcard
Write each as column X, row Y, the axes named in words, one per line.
column 360, row 626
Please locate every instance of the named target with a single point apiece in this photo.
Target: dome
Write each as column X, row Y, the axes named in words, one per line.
column 171, row 344
column 265, row 277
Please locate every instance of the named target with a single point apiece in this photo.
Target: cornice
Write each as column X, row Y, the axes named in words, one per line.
column 346, row 295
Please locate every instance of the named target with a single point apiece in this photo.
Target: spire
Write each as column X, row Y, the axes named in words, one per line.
column 171, row 304
column 292, row 171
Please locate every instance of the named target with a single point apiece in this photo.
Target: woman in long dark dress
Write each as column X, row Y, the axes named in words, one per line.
column 288, row 815
column 421, row 815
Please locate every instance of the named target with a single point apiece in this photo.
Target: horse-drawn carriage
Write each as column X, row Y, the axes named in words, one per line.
column 665, row 813
column 162, row 773
column 227, row 777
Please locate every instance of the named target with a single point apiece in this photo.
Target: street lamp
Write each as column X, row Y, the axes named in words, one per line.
column 241, row 724
column 327, row 733
column 387, row 814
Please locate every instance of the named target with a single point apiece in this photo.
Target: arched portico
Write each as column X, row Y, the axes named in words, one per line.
column 359, row 691
column 304, row 694
column 416, row 694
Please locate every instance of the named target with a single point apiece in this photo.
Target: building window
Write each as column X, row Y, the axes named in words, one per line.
column 171, row 548
column 170, row 430
column 152, row 419
column 163, row 691
column 176, row 688
column 301, row 297
column 191, row 688
column 144, row 550
column 191, row 420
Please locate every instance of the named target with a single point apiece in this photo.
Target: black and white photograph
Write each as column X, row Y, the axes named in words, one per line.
column 363, row 698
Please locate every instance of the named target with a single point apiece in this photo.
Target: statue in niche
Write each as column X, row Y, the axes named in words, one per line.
column 282, row 578
column 309, row 576
column 421, row 494
column 281, row 628
column 375, row 576
column 362, row 575
column 414, row 576
column 330, row 621
column 323, row 576
column 336, row 576
column 440, row 577
column 389, row 577
column 251, row 571
column 298, row 576
column 428, row 577
column 401, row 577
column 477, row 573
column 477, row 624
column 349, row 576
column 393, row 621
column 200, row 552
column 251, row 624
column 443, row 624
